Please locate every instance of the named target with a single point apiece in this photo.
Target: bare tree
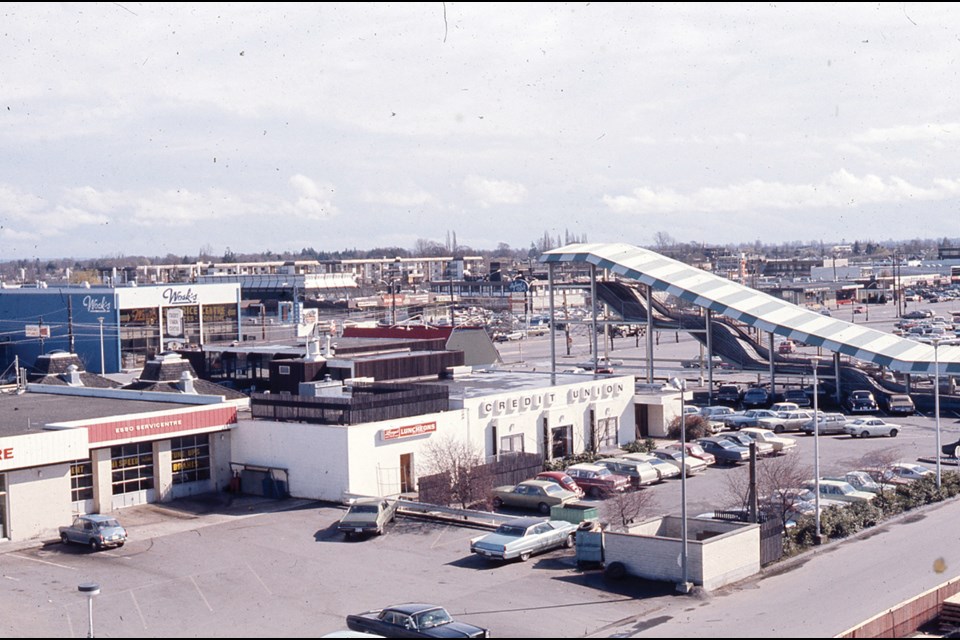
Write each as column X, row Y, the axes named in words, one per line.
column 625, row 507
column 876, row 463
column 779, row 485
column 463, row 463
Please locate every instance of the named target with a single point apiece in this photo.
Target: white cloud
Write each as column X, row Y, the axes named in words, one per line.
column 931, row 132
column 489, row 192
column 408, row 198
column 841, row 189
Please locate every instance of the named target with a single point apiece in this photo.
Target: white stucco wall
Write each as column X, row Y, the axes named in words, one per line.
column 38, row 502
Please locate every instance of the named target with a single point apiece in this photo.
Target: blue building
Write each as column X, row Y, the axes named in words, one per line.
column 111, row 329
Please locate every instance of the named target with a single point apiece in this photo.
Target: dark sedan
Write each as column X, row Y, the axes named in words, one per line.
column 724, row 451
column 413, row 621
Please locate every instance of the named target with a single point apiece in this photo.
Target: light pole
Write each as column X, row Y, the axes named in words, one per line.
column 89, row 589
column 103, row 364
column 684, row 586
column 816, row 448
column 936, row 398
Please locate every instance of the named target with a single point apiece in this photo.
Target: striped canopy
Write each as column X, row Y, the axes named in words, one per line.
column 761, row 310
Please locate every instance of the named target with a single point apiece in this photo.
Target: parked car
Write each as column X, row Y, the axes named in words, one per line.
column 697, row 362
column 694, row 450
column 842, row 491
column 524, row 537
column 368, row 516
column 715, row 415
column 413, row 621
column 906, row 471
column 598, row 480
column 899, row 404
column 780, row 444
column 786, row 421
column 95, row 531
column 532, row 494
column 748, row 418
column 860, row 401
column 870, row 427
column 827, row 424
column 724, row 451
column 951, row 449
column 787, row 346
column 562, row 479
column 777, row 407
column 693, row 464
column 755, row 397
column 859, row 480
column 729, row 394
column 798, row 397
column 742, row 439
column 664, row 468
column 637, row 473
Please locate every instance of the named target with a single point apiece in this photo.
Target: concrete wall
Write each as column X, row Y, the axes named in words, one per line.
column 48, row 486
column 653, row 549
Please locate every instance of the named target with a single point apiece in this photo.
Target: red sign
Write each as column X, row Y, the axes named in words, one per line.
column 407, row 432
column 6, row 454
column 161, row 423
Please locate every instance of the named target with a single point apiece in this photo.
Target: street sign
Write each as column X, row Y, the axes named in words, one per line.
column 37, row 331
column 519, row 286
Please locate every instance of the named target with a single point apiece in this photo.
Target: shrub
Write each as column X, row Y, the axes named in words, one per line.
column 697, row 427
column 640, row 446
column 559, row 464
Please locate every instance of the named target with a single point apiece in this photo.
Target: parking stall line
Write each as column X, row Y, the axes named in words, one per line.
column 136, row 605
column 202, row 597
column 52, row 564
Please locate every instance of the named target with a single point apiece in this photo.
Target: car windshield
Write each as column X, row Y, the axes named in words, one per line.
column 363, row 508
column 726, row 444
column 553, row 488
column 696, row 450
column 433, row 618
column 511, row 530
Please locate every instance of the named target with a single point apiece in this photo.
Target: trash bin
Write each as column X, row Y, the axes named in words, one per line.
column 574, row 512
column 589, row 543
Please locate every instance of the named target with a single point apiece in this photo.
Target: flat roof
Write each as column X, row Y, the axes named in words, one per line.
column 487, row 382
column 761, row 310
column 29, row 412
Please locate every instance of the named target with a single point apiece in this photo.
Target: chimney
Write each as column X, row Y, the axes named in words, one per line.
column 328, row 349
column 186, row 383
column 72, row 376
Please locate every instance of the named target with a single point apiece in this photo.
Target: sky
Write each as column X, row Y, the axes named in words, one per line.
column 151, row 129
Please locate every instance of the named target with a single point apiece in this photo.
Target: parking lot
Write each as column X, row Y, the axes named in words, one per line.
column 246, row 572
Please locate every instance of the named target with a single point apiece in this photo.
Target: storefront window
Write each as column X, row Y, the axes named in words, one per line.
column 511, row 444
column 81, row 480
column 607, row 431
column 139, row 335
column 132, row 466
column 219, row 322
column 191, row 458
column 562, row 441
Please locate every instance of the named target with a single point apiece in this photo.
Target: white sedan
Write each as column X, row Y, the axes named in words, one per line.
column 868, row 427
column 781, row 444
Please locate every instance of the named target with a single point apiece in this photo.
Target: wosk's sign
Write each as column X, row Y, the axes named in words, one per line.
column 409, row 431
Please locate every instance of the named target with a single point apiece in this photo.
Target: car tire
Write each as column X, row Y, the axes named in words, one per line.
column 120, row 544
column 956, row 451
column 569, row 542
column 615, row 571
column 544, row 508
column 94, row 545
column 778, row 428
column 497, row 503
column 893, row 433
column 524, row 556
column 64, row 538
column 347, row 535
column 864, row 434
column 595, row 492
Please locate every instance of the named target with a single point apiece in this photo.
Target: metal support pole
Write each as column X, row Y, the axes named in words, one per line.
column 103, row 363
column 772, row 370
column 649, row 335
column 816, row 448
column 709, row 319
column 836, row 374
column 593, row 314
column 553, row 320
column 936, row 399
column 684, row 586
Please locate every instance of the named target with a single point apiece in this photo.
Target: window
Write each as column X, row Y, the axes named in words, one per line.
column 283, row 369
column 607, row 429
column 511, row 444
column 562, row 438
column 132, row 466
column 191, row 458
column 81, row 480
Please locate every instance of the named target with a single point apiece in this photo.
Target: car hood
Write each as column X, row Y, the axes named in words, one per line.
column 454, row 630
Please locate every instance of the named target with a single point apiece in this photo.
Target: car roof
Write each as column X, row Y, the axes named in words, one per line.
column 524, row 522
column 588, row 466
column 413, row 607
column 553, row 474
column 97, row 517
column 537, row 483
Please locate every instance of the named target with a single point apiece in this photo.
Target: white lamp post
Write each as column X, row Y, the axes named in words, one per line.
column 89, row 589
column 936, row 399
column 103, row 364
column 816, row 447
column 684, row 586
